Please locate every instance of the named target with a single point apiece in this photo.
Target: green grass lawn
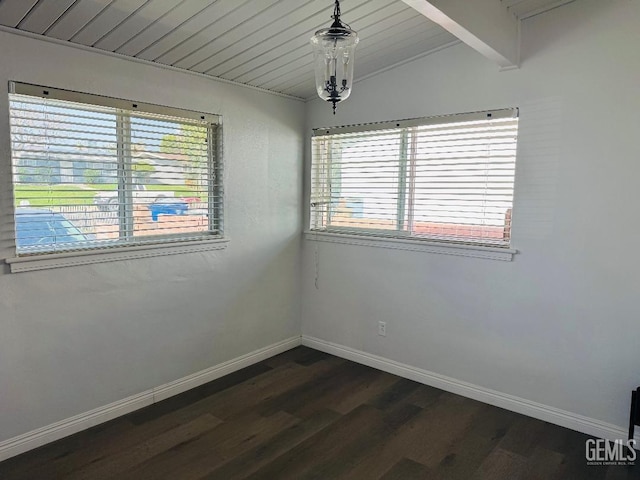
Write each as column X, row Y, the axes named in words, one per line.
column 181, row 190
column 47, row 196
column 58, row 195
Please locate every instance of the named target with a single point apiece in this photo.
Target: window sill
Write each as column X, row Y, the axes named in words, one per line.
column 414, row 245
column 69, row 259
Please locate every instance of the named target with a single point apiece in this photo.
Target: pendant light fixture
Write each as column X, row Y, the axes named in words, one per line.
column 334, row 49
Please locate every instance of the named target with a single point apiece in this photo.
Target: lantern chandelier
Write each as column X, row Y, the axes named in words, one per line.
column 334, row 49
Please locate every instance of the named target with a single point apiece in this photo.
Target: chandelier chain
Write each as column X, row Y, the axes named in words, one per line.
column 336, row 11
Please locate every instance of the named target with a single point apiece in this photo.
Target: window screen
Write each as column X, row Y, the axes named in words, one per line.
column 445, row 178
column 93, row 172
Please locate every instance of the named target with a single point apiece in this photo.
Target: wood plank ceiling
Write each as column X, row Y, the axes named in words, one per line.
column 264, row 43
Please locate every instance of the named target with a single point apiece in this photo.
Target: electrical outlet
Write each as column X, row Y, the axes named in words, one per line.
column 382, row 329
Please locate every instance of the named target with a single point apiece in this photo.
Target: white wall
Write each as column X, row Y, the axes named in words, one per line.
column 560, row 325
column 78, row 338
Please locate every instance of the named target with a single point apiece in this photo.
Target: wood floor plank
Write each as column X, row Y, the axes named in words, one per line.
column 407, row 469
column 111, row 445
column 501, row 464
column 363, row 391
column 31, row 465
column 575, row 467
column 624, row 472
column 562, row 440
column 523, row 435
column 301, row 355
column 254, row 459
column 320, row 447
column 425, row 438
column 211, row 458
column 543, row 464
column 204, row 454
column 394, row 393
column 424, row 396
column 196, row 394
column 111, row 466
column 282, row 379
column 320, row 392
column 340, row 394
column 310, row 356
column 441, row 426
column 413, row 438
column 358, row 445
column 467, row 452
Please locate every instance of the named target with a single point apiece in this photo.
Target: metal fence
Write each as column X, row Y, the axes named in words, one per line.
column 86, row 217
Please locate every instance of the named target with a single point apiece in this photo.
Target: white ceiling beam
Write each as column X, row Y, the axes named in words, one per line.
column 485, row 25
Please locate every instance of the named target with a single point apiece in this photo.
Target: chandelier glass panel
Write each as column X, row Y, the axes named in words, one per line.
column 334, row 51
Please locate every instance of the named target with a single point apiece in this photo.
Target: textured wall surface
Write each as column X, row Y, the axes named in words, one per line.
column 558, row 325
column 77, row 338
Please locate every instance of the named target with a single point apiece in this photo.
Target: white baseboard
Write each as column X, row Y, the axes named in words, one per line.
column 546, row 413
column 36, row 438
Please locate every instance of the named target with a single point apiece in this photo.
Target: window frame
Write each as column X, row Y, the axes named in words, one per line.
column 139, row 247
column 399, row 238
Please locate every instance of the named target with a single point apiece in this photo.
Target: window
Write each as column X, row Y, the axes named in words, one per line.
column 447, row 178
column 96, row 173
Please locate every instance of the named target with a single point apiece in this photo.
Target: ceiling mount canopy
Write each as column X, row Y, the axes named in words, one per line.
column 334, row 51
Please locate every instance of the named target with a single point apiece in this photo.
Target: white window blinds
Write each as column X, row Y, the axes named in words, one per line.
column 444, row 178
column 94, row 172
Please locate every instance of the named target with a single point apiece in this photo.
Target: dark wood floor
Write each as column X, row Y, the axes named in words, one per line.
column 308, row 415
